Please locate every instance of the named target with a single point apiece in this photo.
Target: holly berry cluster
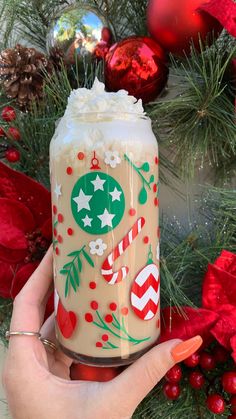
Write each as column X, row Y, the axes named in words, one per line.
column 9, row 134
column 203, row 371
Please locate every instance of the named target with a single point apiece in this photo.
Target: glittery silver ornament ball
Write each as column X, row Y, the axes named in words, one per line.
column 79, row 32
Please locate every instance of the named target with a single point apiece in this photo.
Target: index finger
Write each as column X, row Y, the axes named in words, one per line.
column 30, row 303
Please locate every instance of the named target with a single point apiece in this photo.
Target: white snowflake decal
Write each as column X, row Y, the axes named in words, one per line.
column 97, row 247
column 112, row 158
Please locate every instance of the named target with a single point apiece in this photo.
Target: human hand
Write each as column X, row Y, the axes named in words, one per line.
column 37, row 382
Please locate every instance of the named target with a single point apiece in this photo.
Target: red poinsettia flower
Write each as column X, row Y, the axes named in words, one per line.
column 217, row 318
column 219, row 295
column 25, row 228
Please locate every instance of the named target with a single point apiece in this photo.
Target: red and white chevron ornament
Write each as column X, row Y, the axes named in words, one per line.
column 145, row 292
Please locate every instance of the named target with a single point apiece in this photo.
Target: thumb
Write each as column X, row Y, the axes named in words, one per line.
column 133, row 384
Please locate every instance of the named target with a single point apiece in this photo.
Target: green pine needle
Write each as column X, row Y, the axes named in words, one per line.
column 200, row 122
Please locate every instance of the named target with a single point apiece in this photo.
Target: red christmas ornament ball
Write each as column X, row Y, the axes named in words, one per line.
column 174, row 375
column 216, row 404
column 14, row 133
column 233, row 404
column 8, row 114
column 173, row 24
column 196, row 380
column 136, row 64
column 193, row 360
column 229, row 382
column 12, row 155
column 89, row 373
column 207, row 361
column 171, row 391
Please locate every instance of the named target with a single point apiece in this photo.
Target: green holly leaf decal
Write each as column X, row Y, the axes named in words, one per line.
column 142, row 196
column 145, row 167
column 152, row 178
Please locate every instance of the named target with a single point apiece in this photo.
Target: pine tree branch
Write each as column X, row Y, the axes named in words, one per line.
column 200, row 122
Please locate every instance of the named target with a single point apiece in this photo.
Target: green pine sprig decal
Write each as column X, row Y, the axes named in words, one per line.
column 143, row 196
column 73, row 269
column 117, row 329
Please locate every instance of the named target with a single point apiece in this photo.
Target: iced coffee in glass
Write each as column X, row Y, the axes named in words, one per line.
column 104, row 179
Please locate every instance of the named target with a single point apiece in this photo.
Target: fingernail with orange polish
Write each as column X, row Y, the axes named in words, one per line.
column 184, row 349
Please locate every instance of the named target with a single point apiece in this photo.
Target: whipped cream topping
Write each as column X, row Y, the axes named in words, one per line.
column 97, row 100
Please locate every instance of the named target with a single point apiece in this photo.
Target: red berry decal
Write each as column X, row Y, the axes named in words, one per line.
column 108, row 318
column 156, row 160
column 94, row 305
column 124, row 311
column 60, row 239
column 132, row 212
column 113, row 306
column 55, row 232
column 69, row 170
column 155, row 188
column 92, row 285
column 70, row 232
column 88, row 317
column 57, row 251
column 54, row 209
column 146, row 240
column 60, row 218
column 105, row 338
column 156, row 202
column 99, row 344
column 81, row 155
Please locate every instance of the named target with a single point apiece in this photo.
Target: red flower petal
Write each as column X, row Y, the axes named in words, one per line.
column 225, row 327
column 233, row 346
column 16, row 185
column 6, row 277
column 219, row 286
column 12, row 256
column 46, row 229
column 198, row 322
column 21, row 277
column 224, row 11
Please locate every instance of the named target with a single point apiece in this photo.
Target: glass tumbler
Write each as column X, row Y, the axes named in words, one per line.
column 104, row 182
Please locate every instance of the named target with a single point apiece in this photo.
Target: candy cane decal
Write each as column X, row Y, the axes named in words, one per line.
column 107, row 272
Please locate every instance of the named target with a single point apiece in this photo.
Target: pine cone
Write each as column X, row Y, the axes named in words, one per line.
column 22, row 74
column 57, row 58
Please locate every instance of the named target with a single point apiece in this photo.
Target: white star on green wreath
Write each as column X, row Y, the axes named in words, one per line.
column 97, row 203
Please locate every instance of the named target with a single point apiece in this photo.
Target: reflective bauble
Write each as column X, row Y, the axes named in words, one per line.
column 79, row 31
column 138, row 65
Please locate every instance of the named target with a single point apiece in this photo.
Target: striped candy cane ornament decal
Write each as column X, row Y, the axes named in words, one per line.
column 107, row 271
